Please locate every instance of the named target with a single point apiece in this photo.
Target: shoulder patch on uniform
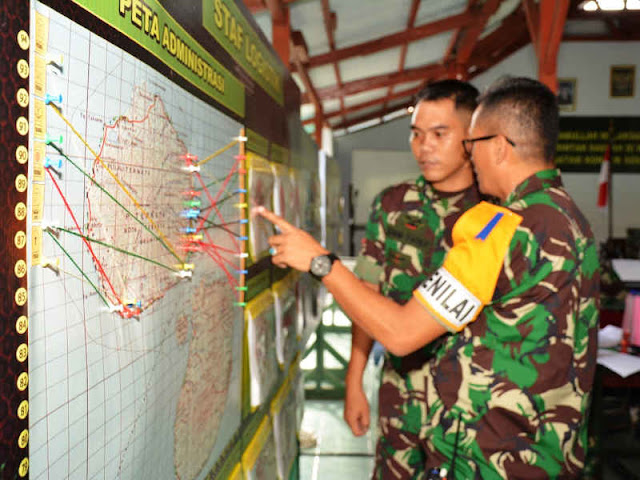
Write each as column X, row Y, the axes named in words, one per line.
column 467, row 279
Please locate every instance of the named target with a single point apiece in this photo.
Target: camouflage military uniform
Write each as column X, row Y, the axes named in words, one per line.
column 407, row 237
column 508, row 396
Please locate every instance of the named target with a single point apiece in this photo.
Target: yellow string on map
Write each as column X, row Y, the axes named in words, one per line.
column 120, row 184
column 217, row 152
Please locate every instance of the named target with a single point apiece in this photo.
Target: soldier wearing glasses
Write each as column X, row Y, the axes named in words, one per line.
column 507, row 393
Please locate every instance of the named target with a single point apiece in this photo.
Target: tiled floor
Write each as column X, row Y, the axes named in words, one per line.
column 338, row 455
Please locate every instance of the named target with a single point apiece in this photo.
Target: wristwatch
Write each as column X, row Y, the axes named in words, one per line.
column 321, row 265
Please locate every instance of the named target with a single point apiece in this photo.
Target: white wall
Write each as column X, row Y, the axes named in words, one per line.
column 589, row 63
column 376, row 170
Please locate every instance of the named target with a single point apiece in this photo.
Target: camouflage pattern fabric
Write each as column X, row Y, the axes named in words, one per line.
column 508, row 396
column 407, row 237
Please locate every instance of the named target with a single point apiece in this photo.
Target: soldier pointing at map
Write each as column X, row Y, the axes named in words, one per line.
column 507, row 393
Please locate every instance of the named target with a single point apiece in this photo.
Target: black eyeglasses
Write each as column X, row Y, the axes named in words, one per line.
column 467, row 144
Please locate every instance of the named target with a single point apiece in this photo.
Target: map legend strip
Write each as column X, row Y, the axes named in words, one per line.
column 14, row 144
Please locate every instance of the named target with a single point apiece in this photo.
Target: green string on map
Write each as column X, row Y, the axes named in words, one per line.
column 106, row 302
column 157, row 237
column 126, row 252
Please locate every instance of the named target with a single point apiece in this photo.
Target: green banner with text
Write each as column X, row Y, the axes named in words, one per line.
column 583, row 141
column 224, row 21
column 150, row 26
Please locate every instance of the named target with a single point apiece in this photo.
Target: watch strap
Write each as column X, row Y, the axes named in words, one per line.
column 333, row 257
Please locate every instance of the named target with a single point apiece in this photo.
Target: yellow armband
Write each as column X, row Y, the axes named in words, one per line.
column 456, row 293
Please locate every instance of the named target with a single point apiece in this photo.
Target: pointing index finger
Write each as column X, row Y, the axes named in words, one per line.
column 275, row 219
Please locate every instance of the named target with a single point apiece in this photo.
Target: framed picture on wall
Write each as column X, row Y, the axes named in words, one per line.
column 622, row 82
column 567, row 94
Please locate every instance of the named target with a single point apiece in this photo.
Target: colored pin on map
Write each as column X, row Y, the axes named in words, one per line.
column 50, row 226
column 52, row 99
column 186, row 266
column 189, row 158
column 55, row 60
column 51, row 163
column 189, row 230
column 192, row 203
column 49, row 139
column 190, row 213
column 52, row 264
column 130, row 312
column 192, row 168
column 131, row 304
column 192, row 193
column 116, row 308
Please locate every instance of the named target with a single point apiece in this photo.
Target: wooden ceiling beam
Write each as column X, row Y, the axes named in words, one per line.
column 605, row 14
column 379, row 81
column 532, row 15
column 411, row 92
column 629, row 37
column 471, row 34
column 499, row 44
column 377, row 114
column 330, row 23
column 255, row 6
column 449, row 54
column 393, row 40
column 553, row 14
column 310, row 90
column 413, row 13
column 281, row 36
column 277, row 9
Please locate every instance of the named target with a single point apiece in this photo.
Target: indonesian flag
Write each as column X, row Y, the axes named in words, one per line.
column 603, row 179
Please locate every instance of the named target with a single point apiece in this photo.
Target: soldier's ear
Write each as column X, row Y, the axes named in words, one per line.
column 500, row 151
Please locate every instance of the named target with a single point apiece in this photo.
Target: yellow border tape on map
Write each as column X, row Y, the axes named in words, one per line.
column 251, row 454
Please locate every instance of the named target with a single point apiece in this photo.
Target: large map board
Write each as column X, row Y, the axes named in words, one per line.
column 126, row 264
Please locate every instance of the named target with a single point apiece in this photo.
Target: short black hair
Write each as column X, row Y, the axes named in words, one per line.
column 462, row 93
column 528, row 106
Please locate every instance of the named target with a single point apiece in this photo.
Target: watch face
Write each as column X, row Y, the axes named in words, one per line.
column 320, row 265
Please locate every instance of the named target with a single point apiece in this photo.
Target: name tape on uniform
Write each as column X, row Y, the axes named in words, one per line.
column 452, row 303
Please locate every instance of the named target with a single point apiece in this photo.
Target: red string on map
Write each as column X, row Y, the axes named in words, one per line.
column 124, row 310
column 192, row 241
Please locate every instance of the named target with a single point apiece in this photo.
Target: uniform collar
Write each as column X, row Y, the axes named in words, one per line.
column 426, row 189
column 542, row 180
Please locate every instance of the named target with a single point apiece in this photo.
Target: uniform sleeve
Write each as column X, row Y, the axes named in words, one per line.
column 544, row 303
column 370, row 262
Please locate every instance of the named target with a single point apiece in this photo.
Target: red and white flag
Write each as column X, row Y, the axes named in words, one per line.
column 603, row 179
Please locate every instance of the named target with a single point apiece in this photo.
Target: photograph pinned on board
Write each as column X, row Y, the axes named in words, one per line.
column 622, row 81
column 567, row 93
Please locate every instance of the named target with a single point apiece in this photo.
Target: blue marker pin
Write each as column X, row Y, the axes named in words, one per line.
column 189, row 230
column 243, row 238
column 240, row 190
column 51, row 163
column 191, row 213
column 48, row 98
